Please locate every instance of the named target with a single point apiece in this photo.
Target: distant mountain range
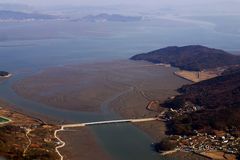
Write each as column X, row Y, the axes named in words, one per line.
column 192, row 58
column 110, row 17
column 15, row 15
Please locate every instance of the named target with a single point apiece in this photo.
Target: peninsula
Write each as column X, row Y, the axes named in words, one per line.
column 196, row 62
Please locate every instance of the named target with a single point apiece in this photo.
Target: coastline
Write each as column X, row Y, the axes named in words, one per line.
column 6, row 76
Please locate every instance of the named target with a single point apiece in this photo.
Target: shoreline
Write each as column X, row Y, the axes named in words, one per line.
column 7, row 76
column 164, row 153
column 34, row 115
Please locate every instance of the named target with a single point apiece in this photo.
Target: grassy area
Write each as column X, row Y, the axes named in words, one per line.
column 3, row 120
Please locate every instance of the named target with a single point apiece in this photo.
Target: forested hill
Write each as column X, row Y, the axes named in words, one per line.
column 220, row 99
column 222, row 91
column 192, row 58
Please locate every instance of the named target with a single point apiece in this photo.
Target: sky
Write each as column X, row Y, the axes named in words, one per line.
column 123, row 2
column 224, row 6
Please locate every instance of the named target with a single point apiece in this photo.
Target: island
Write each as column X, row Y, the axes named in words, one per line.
column 196, row 62
column 104, row 17
column 5, row 74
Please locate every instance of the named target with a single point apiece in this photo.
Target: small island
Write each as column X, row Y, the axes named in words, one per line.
column 5, row 74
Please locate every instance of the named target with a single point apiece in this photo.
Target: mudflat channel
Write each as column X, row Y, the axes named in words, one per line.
column 109, row 90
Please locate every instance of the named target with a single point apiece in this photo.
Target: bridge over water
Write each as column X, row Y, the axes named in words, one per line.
column 109, row 122
column 62, row 143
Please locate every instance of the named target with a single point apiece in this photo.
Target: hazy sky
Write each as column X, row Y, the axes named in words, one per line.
column 124, row 2
column 181, row 6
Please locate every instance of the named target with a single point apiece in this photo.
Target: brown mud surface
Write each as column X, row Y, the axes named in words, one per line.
column 85, row 87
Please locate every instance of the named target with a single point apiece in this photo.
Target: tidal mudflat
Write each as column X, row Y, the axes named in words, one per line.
column 84, row 87
column 116, row 89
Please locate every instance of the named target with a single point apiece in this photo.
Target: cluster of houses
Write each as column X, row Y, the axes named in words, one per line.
column 204, row 142
column 201, row 142
column 187, row 108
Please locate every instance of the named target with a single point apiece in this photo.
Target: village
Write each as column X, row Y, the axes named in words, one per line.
column 200, row 142
column 204, row 142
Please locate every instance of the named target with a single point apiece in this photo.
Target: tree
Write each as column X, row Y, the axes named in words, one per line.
column 165, row 145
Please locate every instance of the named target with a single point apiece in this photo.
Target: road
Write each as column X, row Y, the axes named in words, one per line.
column 62, row 143
column 28, row 130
